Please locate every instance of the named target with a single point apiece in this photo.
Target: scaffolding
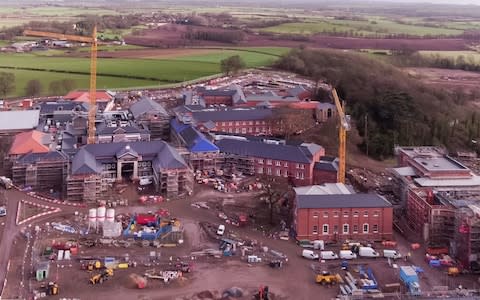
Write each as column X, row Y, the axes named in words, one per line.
column 174, row 183
column 85, row 188
column 239, row 163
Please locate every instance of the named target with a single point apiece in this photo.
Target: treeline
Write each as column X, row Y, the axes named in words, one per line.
column 415, row 59
column 231, row 36
column 81, row 27
column 400, row 110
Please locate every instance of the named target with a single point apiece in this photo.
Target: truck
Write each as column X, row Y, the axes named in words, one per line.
column 367, row 252
column 6, row 182
column 409, row 277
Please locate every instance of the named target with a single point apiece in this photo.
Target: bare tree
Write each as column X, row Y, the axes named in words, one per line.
column 286, row 121
column 274, row 191
column 7, row 83
column 33, row 88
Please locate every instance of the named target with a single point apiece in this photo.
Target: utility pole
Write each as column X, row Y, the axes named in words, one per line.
column 366, row 132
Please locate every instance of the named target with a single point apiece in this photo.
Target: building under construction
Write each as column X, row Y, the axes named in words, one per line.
column 151, row 114
column 97, row 166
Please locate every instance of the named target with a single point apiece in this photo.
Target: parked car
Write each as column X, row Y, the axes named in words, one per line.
column 3, row 211
column 328, row 255
column 309, row 254
column 347, row 254
column 221, row 229
column 394, row 254
column 367, row 252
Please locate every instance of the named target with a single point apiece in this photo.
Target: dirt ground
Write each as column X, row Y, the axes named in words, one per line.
column 452, row 79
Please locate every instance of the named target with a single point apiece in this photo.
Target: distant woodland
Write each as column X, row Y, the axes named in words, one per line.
column 399, row 109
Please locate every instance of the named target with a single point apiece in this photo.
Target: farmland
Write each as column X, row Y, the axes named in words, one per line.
column 122, row 72
column 373, row 27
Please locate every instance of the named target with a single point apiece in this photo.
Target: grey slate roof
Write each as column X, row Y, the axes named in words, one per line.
column 89, row 157
column 263, row 150
column 341, row 201
column 147, row 105
column 61, row 105
column 19, row 119
column 103, row 129
column 31, row 158
column 326, row 166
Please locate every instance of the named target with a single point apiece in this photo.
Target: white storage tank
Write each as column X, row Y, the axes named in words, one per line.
column 101, row 214
column 92, row 215
column 110, row 215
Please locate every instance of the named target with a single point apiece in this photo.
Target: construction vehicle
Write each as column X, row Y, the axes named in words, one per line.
column 6, row 182
column 93, row 70
column 325, row 278
column 51, row 289
column 453, row 271
column 410, row 278
column 100, row 278
column 342, row 138
column 91, row 265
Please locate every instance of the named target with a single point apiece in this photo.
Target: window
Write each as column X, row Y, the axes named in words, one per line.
column 325, row 228
column 269, row 171
column 244, row 123
column 335, row 214
column 365, row 213
column 278, row 163
column 365, row 228
column 260, row 171
column 250, row 122
column 315, row 229
column 302, row 166
column 300, row 175
column 230, row 123
column 237, row 130
column 237, row 123
column 285, row 164
column 269, row 161
column 250, row 129
column 278, row 172
column 285, row 173
column 257, row 129
column 230, row 130
column 260, row 161
column 355, row 228
column 325, row 214
column 375, row 213
column 224, row 123
column 315, row 214
column 375, row 228
column 298, row 166
column 345, row 214
column 355, row 214
column 335, row 229
column 345, row 228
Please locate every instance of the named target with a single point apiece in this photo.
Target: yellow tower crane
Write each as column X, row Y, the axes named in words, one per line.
column 93, row 70
column 342, row 138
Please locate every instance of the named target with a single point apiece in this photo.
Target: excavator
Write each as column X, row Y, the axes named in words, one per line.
column 100, row 278
column 325, row 278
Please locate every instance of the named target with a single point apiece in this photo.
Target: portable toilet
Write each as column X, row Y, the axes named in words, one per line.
column 41, row 271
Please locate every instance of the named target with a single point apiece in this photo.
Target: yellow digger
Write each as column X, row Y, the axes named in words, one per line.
column 100, row 278
column 326, row 278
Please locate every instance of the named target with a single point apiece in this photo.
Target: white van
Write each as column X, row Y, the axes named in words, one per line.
column 367, row 252
column 347, row 254
column 391, row 254
column 328, row 255
column 318, row 245
column 309, row 254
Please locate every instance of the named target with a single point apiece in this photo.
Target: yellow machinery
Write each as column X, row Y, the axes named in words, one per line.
column 94, row 265
column 100, row 278
column 93, row 70
column 326, row 278
column 342, row 138
column 50, row 289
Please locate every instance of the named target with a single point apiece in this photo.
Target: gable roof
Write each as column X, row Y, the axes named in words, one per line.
column 60, row 105
column 147, row 105
column 265, row 150
column 31, row 158
column 84, row 96
column 163, row 155
column 342, row 201
column 33, row 141
column 19, row 119
column 325, row 189
column 194, row 140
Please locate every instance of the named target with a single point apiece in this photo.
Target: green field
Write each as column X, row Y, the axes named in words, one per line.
column 375, row 26
column 125, row 72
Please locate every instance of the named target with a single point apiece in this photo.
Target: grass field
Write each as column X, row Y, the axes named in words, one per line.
column 468, row 55
column 118, row 72
column 375, row 26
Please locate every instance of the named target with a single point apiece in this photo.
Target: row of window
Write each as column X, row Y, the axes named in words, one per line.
column 245, row 130
column 243, row 123
column 346, row 214
column 346, row 229
column 278, row 172
column 278, row 163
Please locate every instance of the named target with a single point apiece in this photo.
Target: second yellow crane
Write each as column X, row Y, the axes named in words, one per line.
column 342, row 138
column 93, row 70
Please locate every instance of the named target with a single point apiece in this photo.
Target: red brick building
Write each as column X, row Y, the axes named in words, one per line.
column 326, row 170
column 271, row 157
column 319, row 215
column 252, row 121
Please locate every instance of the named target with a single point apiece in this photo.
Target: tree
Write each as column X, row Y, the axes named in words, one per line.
column 286, row 121
column 55, row 87
column 68, row 85
column 33, row 88
column 232, row 65
column 275, row 189
column 7, row 83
